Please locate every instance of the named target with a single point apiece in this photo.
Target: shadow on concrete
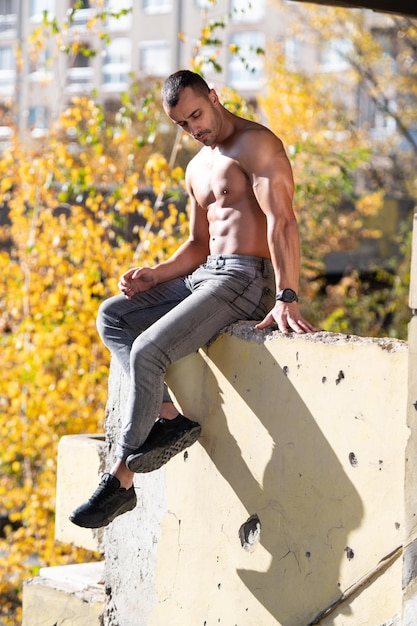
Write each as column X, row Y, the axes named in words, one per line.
column 306, row 503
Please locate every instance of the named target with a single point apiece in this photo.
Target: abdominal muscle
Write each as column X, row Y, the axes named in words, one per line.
column 237, row 230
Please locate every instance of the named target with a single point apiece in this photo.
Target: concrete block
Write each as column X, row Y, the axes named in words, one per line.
column 68, row 594
column 81, row 461
column 308, row 433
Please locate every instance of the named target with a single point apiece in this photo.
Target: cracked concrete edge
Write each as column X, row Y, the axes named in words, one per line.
column 246, row 331
column 90, row 594
column 410, row 564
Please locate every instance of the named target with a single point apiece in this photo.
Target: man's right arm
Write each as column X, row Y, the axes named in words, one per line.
column 185, row 259
column 195, row 249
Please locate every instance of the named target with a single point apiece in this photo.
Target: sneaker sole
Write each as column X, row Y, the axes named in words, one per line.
column 88, row 523
column 156, row 458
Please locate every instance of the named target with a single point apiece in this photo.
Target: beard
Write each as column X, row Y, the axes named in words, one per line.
column 206, row 137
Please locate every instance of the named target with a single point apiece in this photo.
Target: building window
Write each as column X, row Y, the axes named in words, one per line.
column 155, row 58
column 8, row 7
column 39, row 62
column 80, row 4
column 7, row 61
column 117, row 64
column 81, row 18
column 80, row 75
column 292, row 51
column 79, row 80
column 333, row 55
column 40, row 67
column 116, row 79
column 38, row 120
column 39, row 7
column 123, row 22
column 81, row 60
column 7, row 71
column 157, row 6
column 8, row 18
column 244, row 11
column 209, row 56
column 119, row 51
column 382, row 125
column 245, row 68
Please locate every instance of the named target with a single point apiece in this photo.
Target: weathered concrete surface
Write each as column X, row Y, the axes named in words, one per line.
column 63, row 595
column 308, row 433
column 410, row 496
column 132, row 540
column 81, row 461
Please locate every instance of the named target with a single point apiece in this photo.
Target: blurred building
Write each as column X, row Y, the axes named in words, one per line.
column 153, row 38
column 150, row 38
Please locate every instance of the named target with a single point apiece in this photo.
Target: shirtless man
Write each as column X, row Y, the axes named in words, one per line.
column 240, row 261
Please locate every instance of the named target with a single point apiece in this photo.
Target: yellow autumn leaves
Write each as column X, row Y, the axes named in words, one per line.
column 74, row 218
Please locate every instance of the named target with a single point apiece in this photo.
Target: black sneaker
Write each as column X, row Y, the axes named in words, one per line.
column 107, row 502
column 166, row 439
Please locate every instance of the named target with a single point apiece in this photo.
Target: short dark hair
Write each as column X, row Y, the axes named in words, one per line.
column 174, row 84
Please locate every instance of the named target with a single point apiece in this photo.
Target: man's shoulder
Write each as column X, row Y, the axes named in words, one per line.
column 256, row 129
column 258, row 139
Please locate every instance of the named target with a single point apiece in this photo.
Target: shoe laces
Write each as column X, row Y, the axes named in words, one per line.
column 104, row 492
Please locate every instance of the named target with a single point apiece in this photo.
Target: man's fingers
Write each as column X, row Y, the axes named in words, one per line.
column 299, row 325
column 267, row 321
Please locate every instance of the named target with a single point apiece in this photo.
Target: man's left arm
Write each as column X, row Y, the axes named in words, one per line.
column 273, row 186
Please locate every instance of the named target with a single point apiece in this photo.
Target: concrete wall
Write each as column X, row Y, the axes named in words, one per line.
column 410, row 499
column 66, row 595
column 290, row 508
column 91, row 450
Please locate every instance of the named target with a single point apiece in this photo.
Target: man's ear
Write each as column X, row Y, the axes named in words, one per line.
column 213, row 96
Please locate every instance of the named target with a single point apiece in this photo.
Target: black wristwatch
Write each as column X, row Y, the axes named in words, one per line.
column 287, row 295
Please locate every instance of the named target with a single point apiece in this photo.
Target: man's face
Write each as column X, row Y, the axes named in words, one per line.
column 197, row 115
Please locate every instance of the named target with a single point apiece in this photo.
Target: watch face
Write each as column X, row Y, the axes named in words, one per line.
column 288, row 295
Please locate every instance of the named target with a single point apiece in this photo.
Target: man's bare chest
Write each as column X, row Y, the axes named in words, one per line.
column 219, row 180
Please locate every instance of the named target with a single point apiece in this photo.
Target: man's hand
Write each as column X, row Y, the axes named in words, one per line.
column 288, row 317
column 136, row 280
